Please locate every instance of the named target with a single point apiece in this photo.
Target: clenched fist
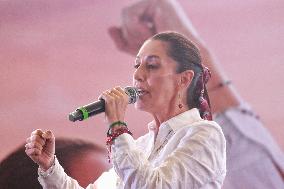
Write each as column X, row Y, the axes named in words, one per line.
column 40, row 147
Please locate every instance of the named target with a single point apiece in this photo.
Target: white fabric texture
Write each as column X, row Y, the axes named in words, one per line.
column 253, row 157
column 188, row 152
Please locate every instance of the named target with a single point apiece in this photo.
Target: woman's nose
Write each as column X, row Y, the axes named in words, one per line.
column 139, row 74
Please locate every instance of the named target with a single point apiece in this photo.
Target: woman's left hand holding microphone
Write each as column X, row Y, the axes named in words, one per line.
column 116, row 101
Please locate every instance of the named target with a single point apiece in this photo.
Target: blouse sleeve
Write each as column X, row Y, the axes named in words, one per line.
column 58, row 179
column 197, row 161
column 242, row 121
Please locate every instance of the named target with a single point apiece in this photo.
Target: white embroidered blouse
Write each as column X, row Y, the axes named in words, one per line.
column 188, row 152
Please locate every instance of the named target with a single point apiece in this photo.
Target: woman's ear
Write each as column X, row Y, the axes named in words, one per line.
column 186, row 78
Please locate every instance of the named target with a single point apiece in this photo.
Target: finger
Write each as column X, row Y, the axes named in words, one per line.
column 114, row 94
column 33, row 152
column 48, row 135
column 38, row 132
column 103, row 95
column 123, row 93
column 117, row 36
column 37, row 139
column 120, row 90
column 115, row 91
column 150, row 10
column 100, row 97
column 141, row 12
column 34, row 146
column 107, row 96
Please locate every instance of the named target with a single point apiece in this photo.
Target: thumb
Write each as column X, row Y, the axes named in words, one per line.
column 117, row 36
column 49, row 142
column 120, row 41
column 49, row 138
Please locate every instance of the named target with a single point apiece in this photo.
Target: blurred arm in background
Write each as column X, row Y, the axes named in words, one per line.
column 254, row 158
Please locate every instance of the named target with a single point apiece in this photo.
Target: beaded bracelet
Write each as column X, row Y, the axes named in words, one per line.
column 114, row 124
column 111, row 137
column 117, row 123
column 220, row 85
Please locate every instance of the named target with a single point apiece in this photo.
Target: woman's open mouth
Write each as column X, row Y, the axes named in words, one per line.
column 141, row 92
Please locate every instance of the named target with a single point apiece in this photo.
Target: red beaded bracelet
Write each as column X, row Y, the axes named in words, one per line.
column 111, row 137
column 121, row 123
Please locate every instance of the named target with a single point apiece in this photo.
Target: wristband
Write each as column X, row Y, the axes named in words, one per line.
column 49, row 171
column 114, row 124
column 117, row 123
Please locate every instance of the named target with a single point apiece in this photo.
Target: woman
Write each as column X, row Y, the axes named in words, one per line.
column 250, row 146
column 181, row 150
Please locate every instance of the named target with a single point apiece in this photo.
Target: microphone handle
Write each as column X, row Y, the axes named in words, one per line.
column 97, row 107
column 86, row 111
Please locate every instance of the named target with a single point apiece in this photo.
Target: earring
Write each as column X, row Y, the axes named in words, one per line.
column 180, row 105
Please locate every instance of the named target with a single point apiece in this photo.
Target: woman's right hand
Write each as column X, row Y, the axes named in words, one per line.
column 40, row 147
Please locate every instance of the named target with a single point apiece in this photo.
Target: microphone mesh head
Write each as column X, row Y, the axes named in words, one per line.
column 132, row 94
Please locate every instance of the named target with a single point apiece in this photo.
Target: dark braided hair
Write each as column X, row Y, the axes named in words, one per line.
column 187, row 55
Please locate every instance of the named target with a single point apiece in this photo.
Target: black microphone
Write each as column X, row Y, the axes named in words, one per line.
column 97, row 107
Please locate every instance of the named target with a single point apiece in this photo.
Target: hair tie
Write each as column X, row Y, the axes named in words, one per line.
column 203, row 103
column 206, row 74
column 205, row 109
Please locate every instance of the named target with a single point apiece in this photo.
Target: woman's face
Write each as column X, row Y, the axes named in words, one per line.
column 155, row 75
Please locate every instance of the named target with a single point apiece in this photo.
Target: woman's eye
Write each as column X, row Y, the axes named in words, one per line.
column 152, row 62
column 152, row 66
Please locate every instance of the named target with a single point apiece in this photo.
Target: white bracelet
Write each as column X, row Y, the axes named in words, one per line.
column 49, row 171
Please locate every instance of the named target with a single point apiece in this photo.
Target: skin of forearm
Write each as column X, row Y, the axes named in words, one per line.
column 221, row 98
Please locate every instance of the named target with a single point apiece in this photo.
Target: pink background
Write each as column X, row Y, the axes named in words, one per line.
column 57, row 55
